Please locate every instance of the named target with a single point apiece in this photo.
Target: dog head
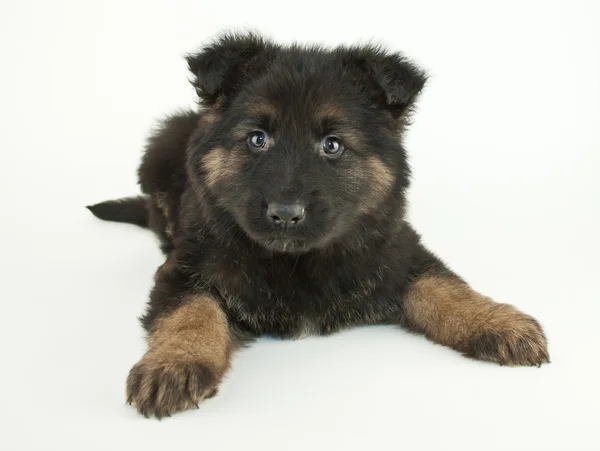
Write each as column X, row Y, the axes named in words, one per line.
column 301, row 145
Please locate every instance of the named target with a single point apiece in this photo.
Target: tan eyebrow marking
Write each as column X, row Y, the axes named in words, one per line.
column 329, row 110
column 262, row 108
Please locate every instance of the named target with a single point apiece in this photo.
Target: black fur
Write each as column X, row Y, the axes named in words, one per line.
column 132, row 210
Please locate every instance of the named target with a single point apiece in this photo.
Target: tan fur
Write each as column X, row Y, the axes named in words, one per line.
column 329, row 110
column 380, row 180
column 209, row 117
column 197, row 330
column 449, row 312
column 240, row 132
column 351, row 135
column 354, row 140
column 259, row 109
column 188, row 354
column 221, row 166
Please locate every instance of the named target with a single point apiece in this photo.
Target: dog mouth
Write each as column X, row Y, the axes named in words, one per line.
column 285, row 245
column 291, row 241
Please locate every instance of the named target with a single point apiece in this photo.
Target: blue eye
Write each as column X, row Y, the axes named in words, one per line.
column 332, row 147
column 257, row 140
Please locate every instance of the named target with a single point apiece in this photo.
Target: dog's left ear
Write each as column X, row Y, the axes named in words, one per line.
column 221, row 68
column 391, row 80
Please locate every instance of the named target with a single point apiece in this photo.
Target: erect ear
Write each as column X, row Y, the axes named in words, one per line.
column 222, row 67
column 391, row 80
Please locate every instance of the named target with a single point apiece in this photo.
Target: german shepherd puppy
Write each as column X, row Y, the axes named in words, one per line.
column 280, row 205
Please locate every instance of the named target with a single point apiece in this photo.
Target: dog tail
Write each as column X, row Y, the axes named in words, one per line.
column 132, row 210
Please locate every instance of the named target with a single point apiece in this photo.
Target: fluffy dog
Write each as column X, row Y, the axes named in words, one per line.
column 280, row 205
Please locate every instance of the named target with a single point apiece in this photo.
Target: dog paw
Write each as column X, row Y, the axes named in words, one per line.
column 162, row 388
column 510, row 338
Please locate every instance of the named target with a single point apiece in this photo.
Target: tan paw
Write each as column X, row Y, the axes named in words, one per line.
column 160, row 388
column 509, row 338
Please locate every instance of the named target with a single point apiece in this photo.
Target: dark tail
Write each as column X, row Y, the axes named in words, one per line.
column 132, row 210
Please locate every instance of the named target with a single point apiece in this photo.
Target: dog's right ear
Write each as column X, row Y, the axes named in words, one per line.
column 392, row 81
column 222, row 67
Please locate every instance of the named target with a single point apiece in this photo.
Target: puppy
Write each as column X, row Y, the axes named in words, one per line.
column 280, row 205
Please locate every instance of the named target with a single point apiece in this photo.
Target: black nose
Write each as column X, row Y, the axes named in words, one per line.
column 287, row 215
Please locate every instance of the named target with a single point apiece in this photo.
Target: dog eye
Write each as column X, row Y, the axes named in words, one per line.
column 332, row 147
column 257, row 140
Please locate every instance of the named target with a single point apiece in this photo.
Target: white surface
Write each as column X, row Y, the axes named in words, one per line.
column 506, row 153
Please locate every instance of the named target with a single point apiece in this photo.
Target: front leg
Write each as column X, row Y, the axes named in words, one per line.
column 448, row 311
column 189, row 348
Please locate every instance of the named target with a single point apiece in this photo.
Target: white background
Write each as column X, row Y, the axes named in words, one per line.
column 506, row 153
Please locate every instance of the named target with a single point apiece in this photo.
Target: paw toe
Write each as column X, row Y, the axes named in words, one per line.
column 521, row 342
column 162, row 389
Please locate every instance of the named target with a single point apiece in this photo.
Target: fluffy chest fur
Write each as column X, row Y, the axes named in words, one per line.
column 306, row 294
